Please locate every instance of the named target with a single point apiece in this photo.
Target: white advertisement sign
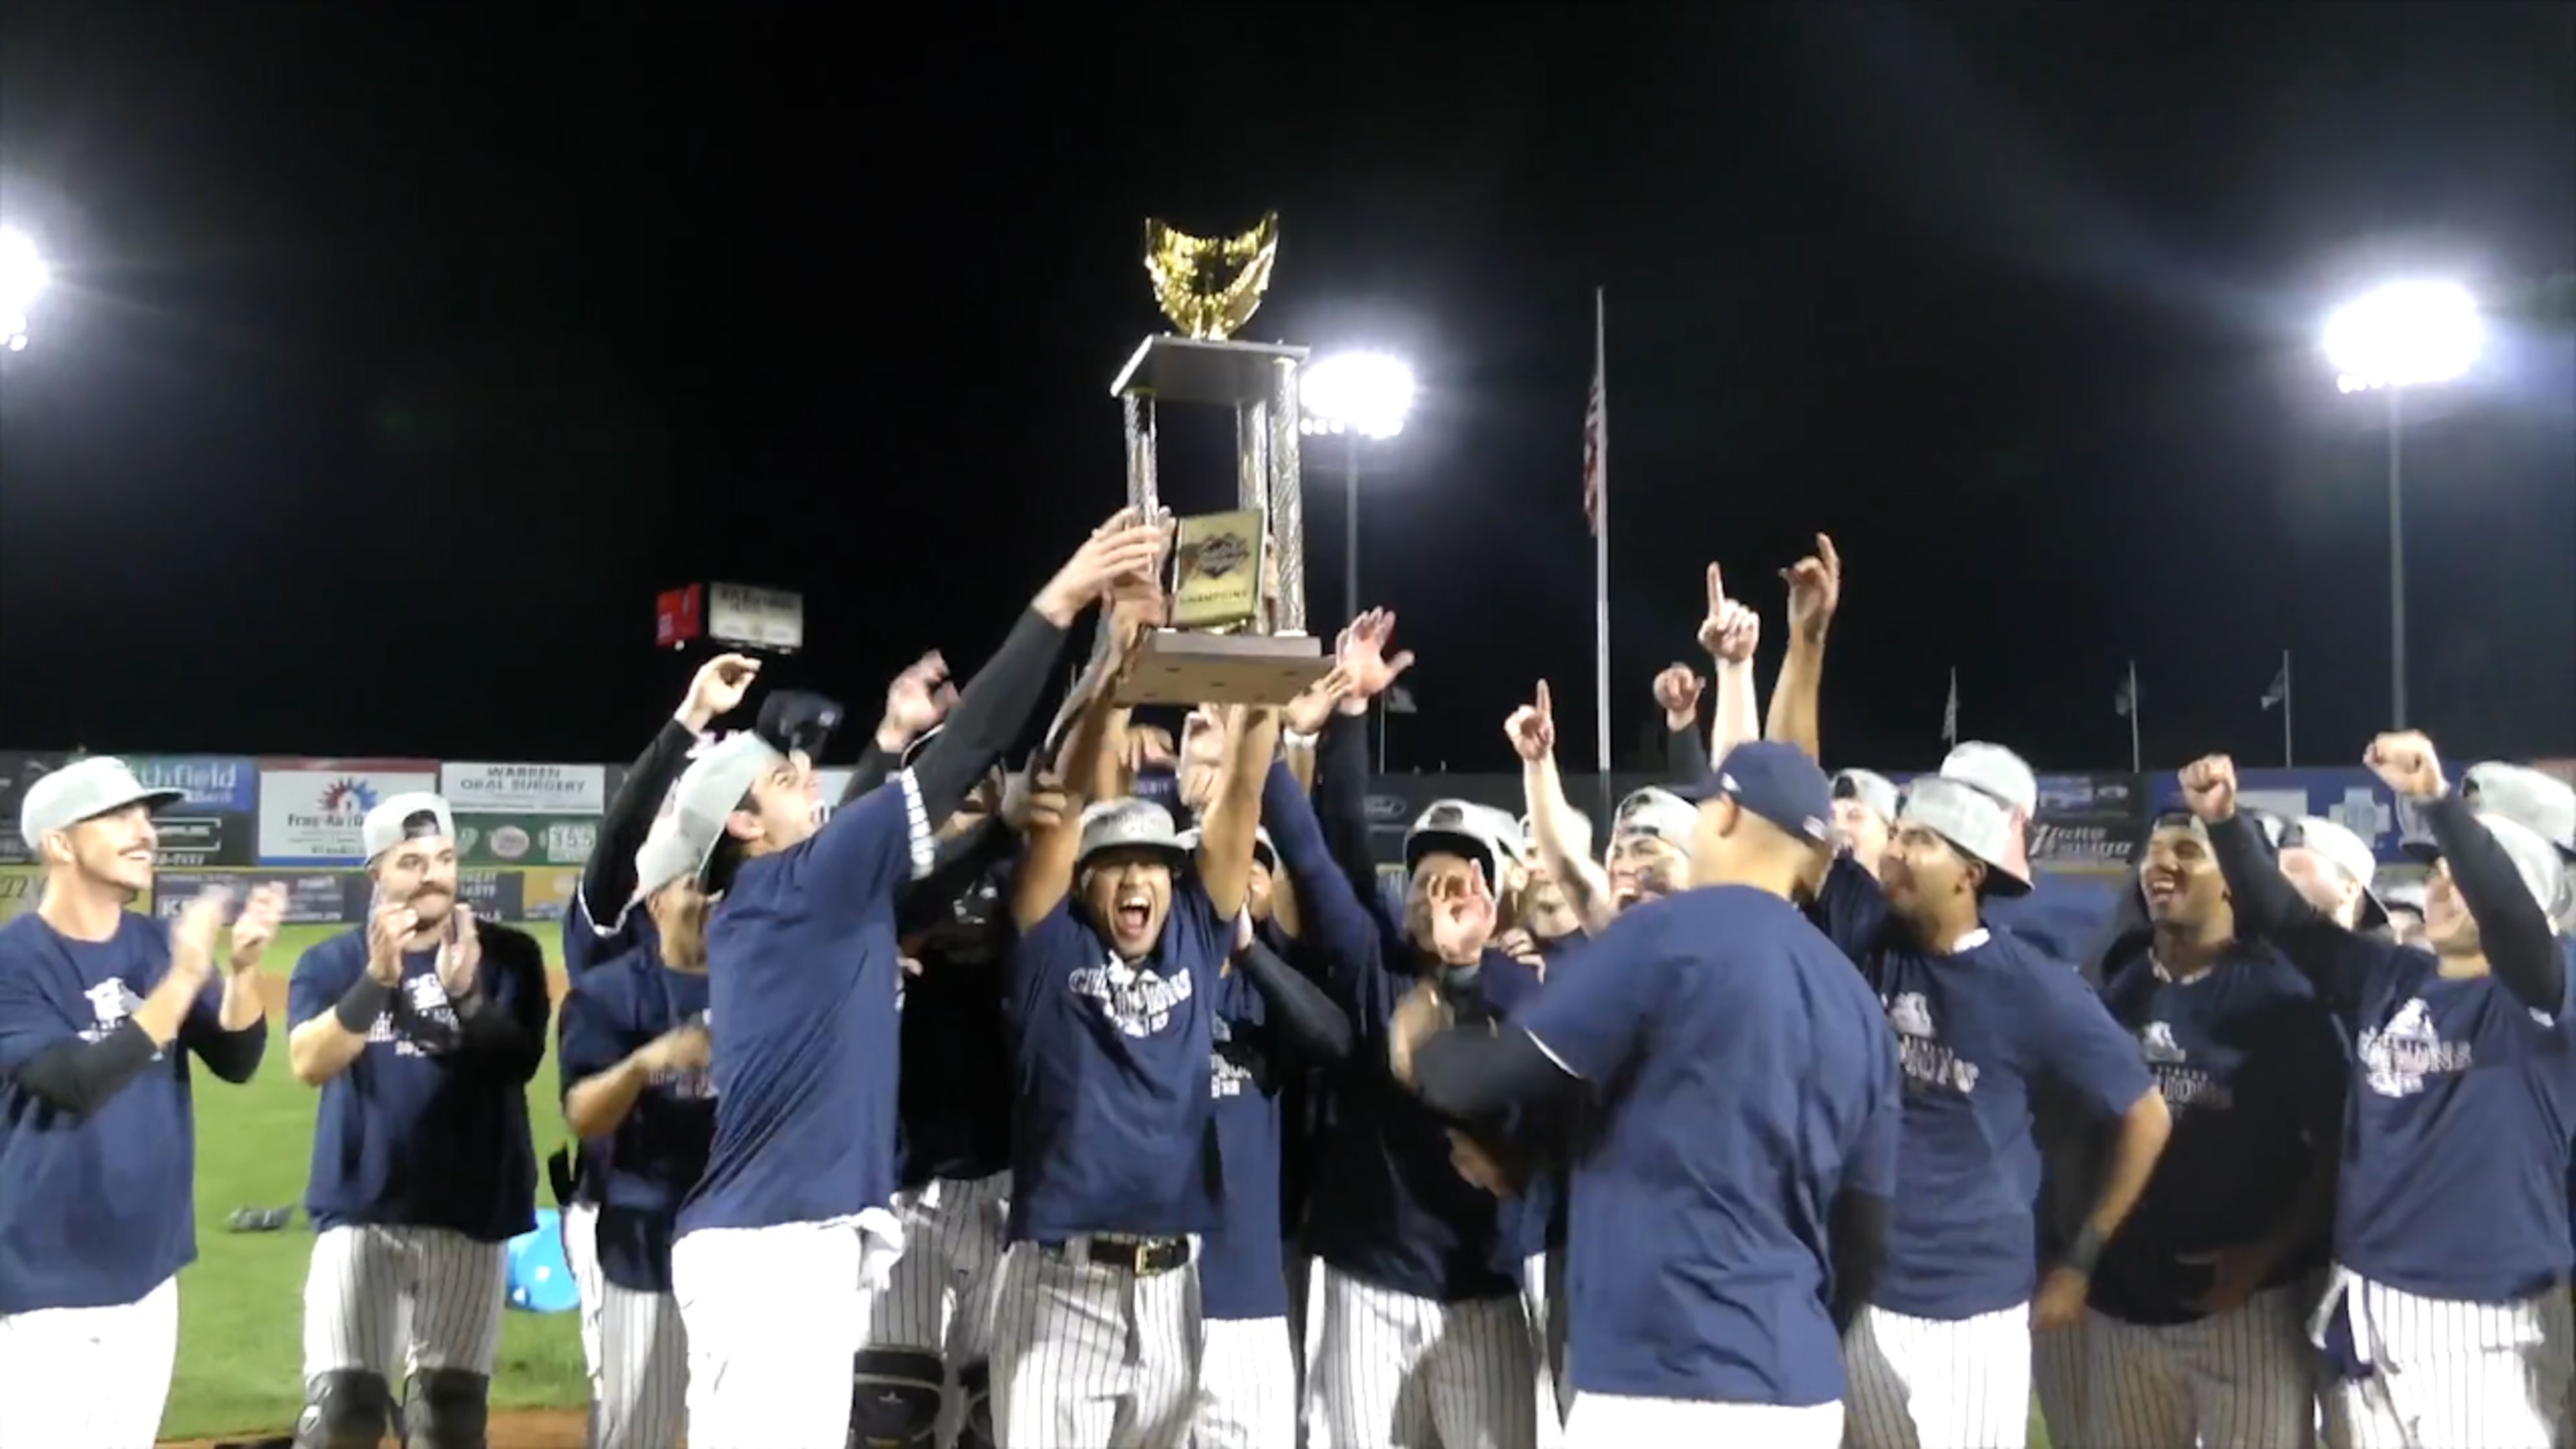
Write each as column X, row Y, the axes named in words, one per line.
column 310, row 810
column 758, row 618
column 524, row 789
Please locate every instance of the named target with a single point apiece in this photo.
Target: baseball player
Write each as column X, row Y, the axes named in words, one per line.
column 1725, row 1213
column 2447, row 1310
column 100, row 1008
column 422, row 1028
column 2195, row 1333
column 1112, row 976
column 789, row 1234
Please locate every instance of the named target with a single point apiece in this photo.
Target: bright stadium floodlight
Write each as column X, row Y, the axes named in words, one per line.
column 22, row 277
column 2405, row 334
column 1354, row 395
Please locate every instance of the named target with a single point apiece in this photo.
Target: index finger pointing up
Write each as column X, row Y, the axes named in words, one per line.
column 1825, row 551
column 1716, row 588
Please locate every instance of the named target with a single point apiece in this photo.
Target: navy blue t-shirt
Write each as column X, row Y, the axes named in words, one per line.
column 802, row 977
column 1111, row 1127
column 1973, row 1029
column 638, row 1174
column 1748, row 1080
column 415, row 1132
column 94, row 1212
column 1241, row 1271
column 586, row 944
column 2252, row 1066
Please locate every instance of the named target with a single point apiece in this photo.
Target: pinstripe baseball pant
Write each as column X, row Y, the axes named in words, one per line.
column 2451, row 1375
column 393, row 1301
column 88, row 1378
column 776, row 1316
column 2058, row 1375
column 1924, row 1383
column 635, row 1346
column 1247, row 1385
column 1093, row 1357
column 1387, row 1368
column 940, row 1296
column 2244, row 1378
column 1616, row 1421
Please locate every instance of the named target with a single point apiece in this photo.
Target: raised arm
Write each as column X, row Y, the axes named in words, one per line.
column 333, row 1008
column 608, row 877
column 1677, row 692
column 1731, row 634
column 1047, row 854
column 1553, row 820
column 2334, row 960
column 916, row 701
column 230, row 1034
column 1815, row 592
column 2513, row 928
column 1227, row 835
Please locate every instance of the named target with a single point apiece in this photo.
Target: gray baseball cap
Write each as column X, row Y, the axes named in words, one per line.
column 1128, row 823
column 1262, row 848
column 398, row 818
column 1997, row 771
column 2540, row 803
column 1460, row 827
column 1657, row 812
column 1974, row 820
column 684, row 840
column 1870, row 788
column 85, row 789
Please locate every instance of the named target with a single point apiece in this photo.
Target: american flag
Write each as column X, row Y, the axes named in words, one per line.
column 1596, row 453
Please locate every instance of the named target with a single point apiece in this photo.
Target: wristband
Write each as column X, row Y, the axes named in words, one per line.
column 2085, row 1251
column 1299, row 739
column 362, row 1004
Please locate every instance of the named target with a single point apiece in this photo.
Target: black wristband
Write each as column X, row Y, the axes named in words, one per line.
column 2086, row 1251
column 362, row 1004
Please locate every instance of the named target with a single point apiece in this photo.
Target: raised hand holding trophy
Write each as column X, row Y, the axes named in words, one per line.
column 1237, row 608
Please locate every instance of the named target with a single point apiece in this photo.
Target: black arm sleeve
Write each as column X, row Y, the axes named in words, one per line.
column 1300, row 1012
column 233, row 1056
column 1686, row 754
column 1341, row 802
column 1470, row 1074
column 961, row 862
column 77, row 1077
column 511, row 1041
column 1858, row 1229
column 875, row 766
column 608, row 877
column 2511, row 925
column 989, row 716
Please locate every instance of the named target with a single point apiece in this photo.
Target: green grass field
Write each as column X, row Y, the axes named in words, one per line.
column 241, row 1307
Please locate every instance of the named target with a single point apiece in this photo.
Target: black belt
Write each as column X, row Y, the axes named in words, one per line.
column 1143, row 1257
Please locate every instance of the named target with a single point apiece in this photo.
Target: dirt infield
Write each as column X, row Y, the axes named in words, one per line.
column 272, row 990
column 511, row 1429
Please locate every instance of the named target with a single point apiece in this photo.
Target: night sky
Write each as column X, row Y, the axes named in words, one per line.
column 401, row 353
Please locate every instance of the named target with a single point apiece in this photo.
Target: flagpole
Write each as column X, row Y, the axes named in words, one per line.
column 2137, row 759
column 1601, row 553
column 2286, row 761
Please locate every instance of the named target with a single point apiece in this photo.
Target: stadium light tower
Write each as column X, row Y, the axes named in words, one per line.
column 22, row 277
column 1355, row 396
column 2405, row 334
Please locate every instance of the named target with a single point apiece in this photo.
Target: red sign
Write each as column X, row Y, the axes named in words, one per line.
column 677, row 616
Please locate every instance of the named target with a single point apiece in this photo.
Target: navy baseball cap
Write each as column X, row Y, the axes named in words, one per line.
column 798, row 721
column 1776, row 781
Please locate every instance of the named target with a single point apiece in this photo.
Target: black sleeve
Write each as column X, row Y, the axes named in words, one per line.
column 608, row 877
column 513, row 1040
column 1858, row 1230
column 77, row 1077
column 1686, row 754
column 874, row 768
column 1341, row 802
column 960, row 863
column 233, row 1056
column 2270, row 909
column 1303, row 1016
column 2511, row 925
column 1470, row 1074
column 989, row 716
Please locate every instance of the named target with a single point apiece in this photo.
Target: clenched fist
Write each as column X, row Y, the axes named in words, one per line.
column 2209, row 787
column 1677, row 692
column 2404, row 761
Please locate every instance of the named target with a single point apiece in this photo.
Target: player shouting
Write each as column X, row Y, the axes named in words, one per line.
column 100, row 1008
column 422, row 1028
column 788, row 1235
column 2448, row 1308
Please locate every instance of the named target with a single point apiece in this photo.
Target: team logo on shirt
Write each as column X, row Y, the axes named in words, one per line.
column 430, row 1025
column 110, row 1003
column 1138, row 1003
column 1928, row 1065
column 2396, row 1058
column 1226, row 1077
column 2182, row 1084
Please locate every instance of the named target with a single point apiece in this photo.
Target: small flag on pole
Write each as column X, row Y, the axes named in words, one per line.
column 1399, row 700
column 2279, row 692
column 1950, row 711
column 2125, row 703
column 1596, row 453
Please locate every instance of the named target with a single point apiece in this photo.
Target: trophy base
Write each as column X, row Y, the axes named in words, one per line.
column 1190, row 370
column 1180, row 667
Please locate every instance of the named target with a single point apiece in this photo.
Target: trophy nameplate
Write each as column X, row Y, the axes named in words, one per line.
column 1239, row 638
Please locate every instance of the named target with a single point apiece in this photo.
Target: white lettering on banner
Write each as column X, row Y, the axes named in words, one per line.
column 761, row 618
column 314, row 815
column 2092, row 844
column 477, row 789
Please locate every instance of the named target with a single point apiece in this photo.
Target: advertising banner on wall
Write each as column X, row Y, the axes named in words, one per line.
column 2086, row 823
column 218, row 822
column 524, row 789
column 2351, row 797
column 18, row 770
column 507, row 840
column 336, row 897
column 310, row 810
column 19, row 887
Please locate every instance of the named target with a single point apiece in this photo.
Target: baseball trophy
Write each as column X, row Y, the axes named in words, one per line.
column 1238, row 591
